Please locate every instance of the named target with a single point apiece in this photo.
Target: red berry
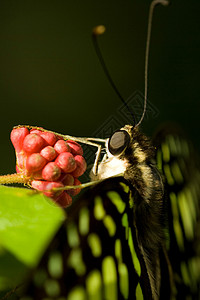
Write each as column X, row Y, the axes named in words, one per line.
column 61, row 146
column 21, row 160
column 35, row 162
column 76, row 149
column 36, row 131
column 49, row 153
column 51, row 172
column 51, row 185
column 66, row 162
column 47, row 187
column 67, row 179
column 64, row 200
column 33, row 143
column 74, row 192
column 81, row 166
column 37, row 175
column 38, row 185
column 17, row 137
column 49, row 137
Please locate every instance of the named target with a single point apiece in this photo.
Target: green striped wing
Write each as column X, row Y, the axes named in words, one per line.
column 179, row 163
column 95, row 254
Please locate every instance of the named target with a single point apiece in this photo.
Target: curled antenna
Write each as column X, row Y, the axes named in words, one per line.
column 98, row 30
column 151, row 11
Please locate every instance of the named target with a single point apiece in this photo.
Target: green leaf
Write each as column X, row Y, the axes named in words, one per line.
column 28, row 221
column 10, row 267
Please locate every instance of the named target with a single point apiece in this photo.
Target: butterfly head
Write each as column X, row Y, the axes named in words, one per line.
column 126, row 147
column 118, row 142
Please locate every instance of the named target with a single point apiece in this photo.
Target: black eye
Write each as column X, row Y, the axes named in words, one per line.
column 118, row 142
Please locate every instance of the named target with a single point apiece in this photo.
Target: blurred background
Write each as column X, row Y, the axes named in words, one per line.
column 50, row 75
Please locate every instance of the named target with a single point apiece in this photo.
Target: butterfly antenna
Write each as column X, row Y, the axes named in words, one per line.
column 99, row 30
column 151, row 11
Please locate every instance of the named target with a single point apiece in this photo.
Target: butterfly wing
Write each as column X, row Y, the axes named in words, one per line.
column 178, row 161
column 95, row 253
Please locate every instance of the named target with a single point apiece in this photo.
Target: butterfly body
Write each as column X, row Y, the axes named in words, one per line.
column 136, row 154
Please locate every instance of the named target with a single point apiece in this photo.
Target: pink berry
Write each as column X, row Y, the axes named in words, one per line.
column 51, row 172
column 38, row 185
column 67, row 179
column 21, row 160
column 46, row 187
column 17, row 169
column 74, row 192
column 66, row 162
column 49, row 186
column 49, row 137
column 36, row 131
column 64, row 200
column 76, row 149
column 61, row 146
column 81, row 166
column 37, row 175
column 35, row 162
column 33, row 143
column 17, row 137
column 49, row 153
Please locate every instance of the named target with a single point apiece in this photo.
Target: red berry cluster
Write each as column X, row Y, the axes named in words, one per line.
column 49, row 162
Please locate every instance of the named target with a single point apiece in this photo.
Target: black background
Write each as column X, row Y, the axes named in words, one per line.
column 51, row 77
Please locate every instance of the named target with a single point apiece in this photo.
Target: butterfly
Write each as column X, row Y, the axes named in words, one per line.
column 135, row 234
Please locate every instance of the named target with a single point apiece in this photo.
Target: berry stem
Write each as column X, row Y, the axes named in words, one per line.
column 13, row 178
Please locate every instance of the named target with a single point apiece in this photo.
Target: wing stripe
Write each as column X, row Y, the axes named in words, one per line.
column 110, row 225
column 94, row 285
column 117, row 201
column 135, row 259
column 55, row 264
column 176, row 222
column 75, row 261
column 84, row 220
column 185, row 216
column 95, row 244
column 109, row 274
column 77, row 292
column 139, row 294
column 99, row 211
column 52, row 287
column 168, row 174
column 72, row 235
column 123, row 280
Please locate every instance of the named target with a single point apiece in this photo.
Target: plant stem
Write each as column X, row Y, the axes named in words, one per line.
column 13, row 178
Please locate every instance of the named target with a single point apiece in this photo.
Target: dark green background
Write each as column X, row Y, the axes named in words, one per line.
column 51, row 77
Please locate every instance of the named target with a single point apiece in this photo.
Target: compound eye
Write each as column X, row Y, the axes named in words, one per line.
column 118, row 142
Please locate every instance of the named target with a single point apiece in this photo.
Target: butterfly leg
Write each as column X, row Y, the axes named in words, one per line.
column 95, row 165
column 97, row 140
